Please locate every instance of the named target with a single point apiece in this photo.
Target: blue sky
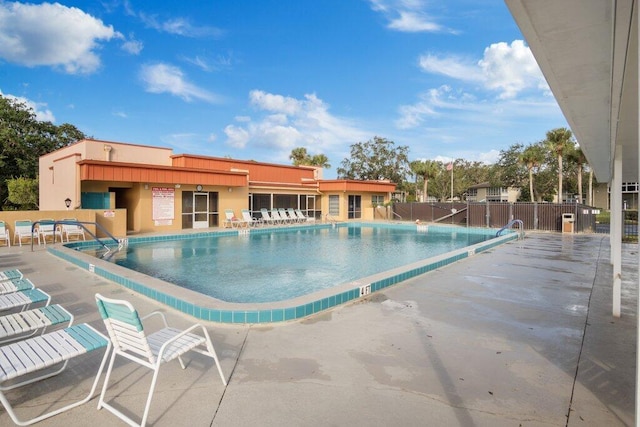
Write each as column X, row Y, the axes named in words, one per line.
column 254, row 79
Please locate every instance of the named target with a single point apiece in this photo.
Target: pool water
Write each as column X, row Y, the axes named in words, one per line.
column 280, row 265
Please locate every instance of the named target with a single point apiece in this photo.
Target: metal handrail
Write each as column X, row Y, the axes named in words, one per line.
column 81, row 224
column 511, row 224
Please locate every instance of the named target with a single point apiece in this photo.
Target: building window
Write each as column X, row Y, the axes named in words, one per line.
column 334, row 205
column 377, row 200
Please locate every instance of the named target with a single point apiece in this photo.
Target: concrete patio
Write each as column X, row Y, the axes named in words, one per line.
column 521, row 335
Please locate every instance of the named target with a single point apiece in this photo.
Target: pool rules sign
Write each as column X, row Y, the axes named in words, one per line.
column 163, row 205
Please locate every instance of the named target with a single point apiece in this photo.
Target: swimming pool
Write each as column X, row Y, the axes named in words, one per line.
column 313, row 267
column 280, row 265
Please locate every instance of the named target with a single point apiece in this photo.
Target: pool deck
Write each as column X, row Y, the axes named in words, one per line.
column 520, row 335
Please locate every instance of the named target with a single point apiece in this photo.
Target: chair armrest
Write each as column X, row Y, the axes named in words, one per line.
column 180, row 335
column 156, row 313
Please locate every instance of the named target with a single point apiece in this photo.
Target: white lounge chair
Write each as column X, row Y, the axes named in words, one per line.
column 15, row 285
column 283, row 214
column 18, row 326
column 251, row 221
column 4, row 233
column 292, row 214
column 13, row 273
column 23, row 358
column 303, row 217
column 129, row 340
column 72, row 228
column 23, row 229
column 266, row 218
column 232, row 221
column 23, row 300
column 277, row 219
column 47, row 228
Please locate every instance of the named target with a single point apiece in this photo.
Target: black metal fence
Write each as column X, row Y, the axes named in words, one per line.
column 535, row 216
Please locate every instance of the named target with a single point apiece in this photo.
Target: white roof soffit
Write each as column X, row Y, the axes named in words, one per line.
column 587, row 51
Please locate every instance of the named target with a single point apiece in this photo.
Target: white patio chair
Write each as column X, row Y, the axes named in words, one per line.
column 251, row 221
column 4, row 233
column 23, row 358
column 71, row 229
column 23, row 230
column 47, row 228
column 129, row 340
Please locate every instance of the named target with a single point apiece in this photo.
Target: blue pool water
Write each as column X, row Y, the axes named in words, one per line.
column 280, row 265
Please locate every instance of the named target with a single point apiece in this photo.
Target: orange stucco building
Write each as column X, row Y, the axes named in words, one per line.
column 160, row 191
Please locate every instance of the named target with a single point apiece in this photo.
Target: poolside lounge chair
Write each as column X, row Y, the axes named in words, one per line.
column 232, row 221
column 26, row 357
column 13, row 273
column 23, row 229
column 287, row 218
column 266, row 218
column 277, row 219
column 4, row 233
column 70, row 229
column 18, row 326
column 292, row 215
column 303, row 217
column 22, row 300
column 251, row 221
column 47, row 228
column 15, row 285
column 129, row 340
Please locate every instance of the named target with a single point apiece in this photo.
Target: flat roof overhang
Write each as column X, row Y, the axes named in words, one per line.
column 96, row 170
column 588, row 53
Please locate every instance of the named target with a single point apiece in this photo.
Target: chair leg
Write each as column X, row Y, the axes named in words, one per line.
column 151, row 390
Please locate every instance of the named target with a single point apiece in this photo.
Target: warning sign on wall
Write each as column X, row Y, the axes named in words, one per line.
column 163, row 204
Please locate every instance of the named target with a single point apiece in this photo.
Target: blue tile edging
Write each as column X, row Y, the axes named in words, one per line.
column 298, row 308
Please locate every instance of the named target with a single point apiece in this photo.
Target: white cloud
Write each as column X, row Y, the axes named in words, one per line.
column 511, row 69
column 52, row 35
column 180, row 26
column 407, row 16
column 284, row 122
column 132, row 46
column 39, row 108
column 507, row 69
column 165, row 78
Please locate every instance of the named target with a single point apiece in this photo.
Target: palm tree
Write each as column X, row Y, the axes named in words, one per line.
column 531, row 157
column 320, row 160
column 558, row 141
column 427, row 169
column 580, row 160
column 298, row 155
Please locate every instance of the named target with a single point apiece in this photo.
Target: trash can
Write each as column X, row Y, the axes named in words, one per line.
column 568, row 219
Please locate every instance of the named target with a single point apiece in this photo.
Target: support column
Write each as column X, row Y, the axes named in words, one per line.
column 616, row 229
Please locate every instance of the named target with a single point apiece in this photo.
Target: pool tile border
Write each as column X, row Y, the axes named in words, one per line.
column 298, row 308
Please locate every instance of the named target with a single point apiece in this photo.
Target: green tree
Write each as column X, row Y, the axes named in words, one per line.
column 425, row 169
column 559, row 141
column 23, row 139
column 577, row 157
column 23, row 192
column 376, row 159
column 532, row 157
column 300, row 156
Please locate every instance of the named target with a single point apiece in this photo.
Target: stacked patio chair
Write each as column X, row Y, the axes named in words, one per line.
column 26, row 358
column 251, row 221
column 266, row 218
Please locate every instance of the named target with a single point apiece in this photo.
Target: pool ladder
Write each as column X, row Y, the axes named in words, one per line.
column 120, row 243
column 510, row 224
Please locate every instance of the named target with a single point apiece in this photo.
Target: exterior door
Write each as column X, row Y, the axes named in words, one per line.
column 355, row 207
column 200, row 210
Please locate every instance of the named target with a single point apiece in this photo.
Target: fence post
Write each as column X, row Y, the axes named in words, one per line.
column 535, row 215
column 488, row 214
